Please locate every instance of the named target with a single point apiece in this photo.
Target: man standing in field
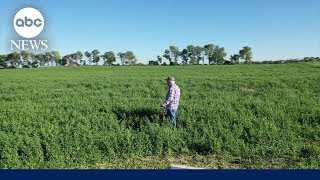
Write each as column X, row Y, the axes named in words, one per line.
column 172, row 100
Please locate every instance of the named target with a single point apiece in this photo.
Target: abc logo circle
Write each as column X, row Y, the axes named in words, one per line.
column 28, row 22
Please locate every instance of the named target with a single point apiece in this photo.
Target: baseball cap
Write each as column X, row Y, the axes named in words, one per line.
column 170, row 78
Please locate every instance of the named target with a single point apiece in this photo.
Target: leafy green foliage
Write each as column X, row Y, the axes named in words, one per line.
column 260, row 115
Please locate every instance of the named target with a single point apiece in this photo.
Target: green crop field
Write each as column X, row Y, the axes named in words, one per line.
column 239, row 116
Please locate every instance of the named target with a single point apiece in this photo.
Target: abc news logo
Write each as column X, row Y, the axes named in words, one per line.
column 28, row 23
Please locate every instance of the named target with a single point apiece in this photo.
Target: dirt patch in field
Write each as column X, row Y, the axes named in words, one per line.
column 248, row 90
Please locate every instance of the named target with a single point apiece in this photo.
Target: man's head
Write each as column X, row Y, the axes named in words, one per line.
column 170, row 80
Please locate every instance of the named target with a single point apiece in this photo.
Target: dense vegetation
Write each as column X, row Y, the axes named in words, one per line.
column 241, row 116
column 191, row 55
column 209, row 54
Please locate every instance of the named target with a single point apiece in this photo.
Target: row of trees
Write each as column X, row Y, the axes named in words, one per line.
column 286, row 61
column 53, row 58
column 191, row 55
column 211, row 53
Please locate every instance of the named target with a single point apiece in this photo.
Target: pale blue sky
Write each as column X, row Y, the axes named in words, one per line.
column 275, row 29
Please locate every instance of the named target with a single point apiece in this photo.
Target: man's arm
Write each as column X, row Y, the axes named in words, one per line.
column 170, row 97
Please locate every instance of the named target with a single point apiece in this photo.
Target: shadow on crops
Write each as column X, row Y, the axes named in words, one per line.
column 310, row 120
column 137, row 118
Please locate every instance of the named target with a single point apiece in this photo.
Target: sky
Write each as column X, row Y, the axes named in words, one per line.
column 275, row 29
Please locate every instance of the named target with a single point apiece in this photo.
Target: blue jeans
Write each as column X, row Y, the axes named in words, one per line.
column 171, row 113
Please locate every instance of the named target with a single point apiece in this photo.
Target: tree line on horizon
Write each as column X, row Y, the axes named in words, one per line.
column 209, row 54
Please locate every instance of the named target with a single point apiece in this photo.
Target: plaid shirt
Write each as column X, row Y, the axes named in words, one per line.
column 173, row 97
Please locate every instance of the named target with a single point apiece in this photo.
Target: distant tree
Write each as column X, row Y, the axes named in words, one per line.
column 47, row 58
column 159, row 59
column 127, row 58
column 55, row 57
column 153, row 63
column 95, row 56
column 79, row 57
column 109, row 57
column 14, row 59
column 184, row 56
column 218, row 55
column 39, row 58
column 308, row 59
column 198, row 54
column 174, row 50
column 73, row 59
column 246, row 54
column 25, row 56
column 3, row 62
column 70, row 60
column 64, row 60
column 235, row 58
column 88, row 55
column 167, row 56
column 192, row 54
column 131, row 57
column 3, row 58
column 121, row 56
column 33, row 62
column 209, row 50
